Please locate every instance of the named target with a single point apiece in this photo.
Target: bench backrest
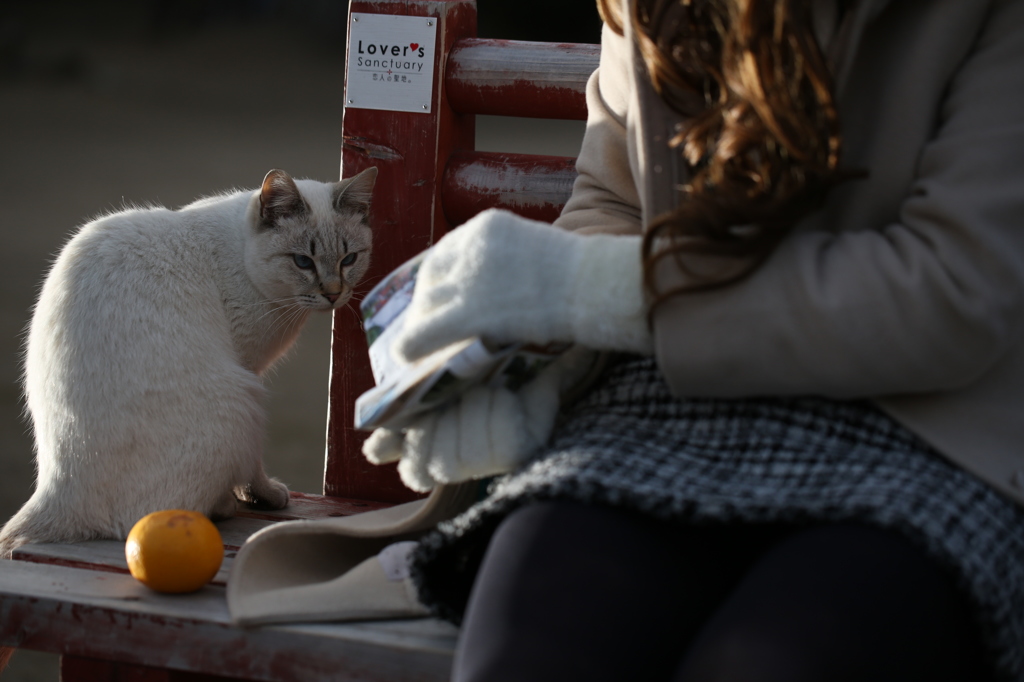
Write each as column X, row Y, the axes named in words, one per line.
column 431, row 179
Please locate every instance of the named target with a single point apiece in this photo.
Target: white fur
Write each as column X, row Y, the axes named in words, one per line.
column 144, row 356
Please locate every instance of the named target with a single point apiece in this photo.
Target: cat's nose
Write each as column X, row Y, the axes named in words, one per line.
column 331, row 297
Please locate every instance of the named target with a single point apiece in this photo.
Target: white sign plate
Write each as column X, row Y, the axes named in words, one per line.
column 390, row 62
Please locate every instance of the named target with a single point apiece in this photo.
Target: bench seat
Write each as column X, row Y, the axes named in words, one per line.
column 79, row 599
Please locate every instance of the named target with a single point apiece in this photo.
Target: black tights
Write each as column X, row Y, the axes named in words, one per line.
column 575, row 592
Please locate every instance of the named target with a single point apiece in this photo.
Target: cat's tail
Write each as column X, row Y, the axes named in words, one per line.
column 13, row 535
column 33, row 523
column 9, row 543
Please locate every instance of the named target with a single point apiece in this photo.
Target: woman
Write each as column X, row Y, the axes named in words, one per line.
column 809, row 465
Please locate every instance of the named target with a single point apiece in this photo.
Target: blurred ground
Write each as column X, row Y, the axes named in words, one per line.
column 104, row 104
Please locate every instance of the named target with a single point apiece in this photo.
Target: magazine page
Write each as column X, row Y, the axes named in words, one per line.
column 382, row 311
column 404, row 390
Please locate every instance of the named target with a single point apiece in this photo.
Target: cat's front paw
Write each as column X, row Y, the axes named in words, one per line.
column 267, row 494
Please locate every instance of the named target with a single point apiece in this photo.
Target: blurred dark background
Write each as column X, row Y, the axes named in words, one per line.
column 51, row 39
column 116, row 102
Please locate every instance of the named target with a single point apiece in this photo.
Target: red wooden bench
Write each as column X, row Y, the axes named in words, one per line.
column 78, row 600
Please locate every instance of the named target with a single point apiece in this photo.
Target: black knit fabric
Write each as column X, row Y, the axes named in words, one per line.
column 630, row 443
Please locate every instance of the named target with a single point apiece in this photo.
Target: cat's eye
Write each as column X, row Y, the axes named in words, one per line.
column 303, row 261
column 349, row 259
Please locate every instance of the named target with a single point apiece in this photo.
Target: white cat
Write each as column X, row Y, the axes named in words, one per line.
column 144, row 355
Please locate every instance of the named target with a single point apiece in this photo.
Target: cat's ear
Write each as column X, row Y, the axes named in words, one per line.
column 279, row 197
column 356, row 192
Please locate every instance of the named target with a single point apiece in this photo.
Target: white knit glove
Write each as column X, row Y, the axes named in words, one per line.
column 487, row 431
column 505, row 278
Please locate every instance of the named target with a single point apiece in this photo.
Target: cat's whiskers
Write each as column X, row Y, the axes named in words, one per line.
column 269, row 300
column 288, row 314
column 272, row 303
column 360, row 290
column 359, row 319
column 291, row 315
column 293, row 301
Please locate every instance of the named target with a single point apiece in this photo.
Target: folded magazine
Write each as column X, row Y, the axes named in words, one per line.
column 404, row 389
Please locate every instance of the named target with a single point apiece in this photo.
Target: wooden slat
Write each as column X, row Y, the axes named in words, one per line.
column 111, row 616
column 533, row 186
column 108, row 555
column 105, row 555
column 306, row 506
column 520, row 78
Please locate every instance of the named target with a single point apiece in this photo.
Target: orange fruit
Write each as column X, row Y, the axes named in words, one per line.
column 174, row 550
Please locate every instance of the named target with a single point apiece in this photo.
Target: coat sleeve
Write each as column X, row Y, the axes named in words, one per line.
column 929, row 301
column 604, row 197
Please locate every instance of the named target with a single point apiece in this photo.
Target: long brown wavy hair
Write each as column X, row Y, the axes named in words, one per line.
column 760, row 136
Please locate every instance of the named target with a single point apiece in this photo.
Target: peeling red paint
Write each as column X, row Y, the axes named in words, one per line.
column 520, row 78
column 369, row 149
column 535, row 187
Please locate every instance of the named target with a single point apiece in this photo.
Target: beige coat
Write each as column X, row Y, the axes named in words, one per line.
column 906, row 287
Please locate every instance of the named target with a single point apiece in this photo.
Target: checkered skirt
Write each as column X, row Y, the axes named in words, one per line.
column 630, row 443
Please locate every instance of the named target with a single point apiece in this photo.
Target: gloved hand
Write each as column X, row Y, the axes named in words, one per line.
column 505, row 278
column 487, row 431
